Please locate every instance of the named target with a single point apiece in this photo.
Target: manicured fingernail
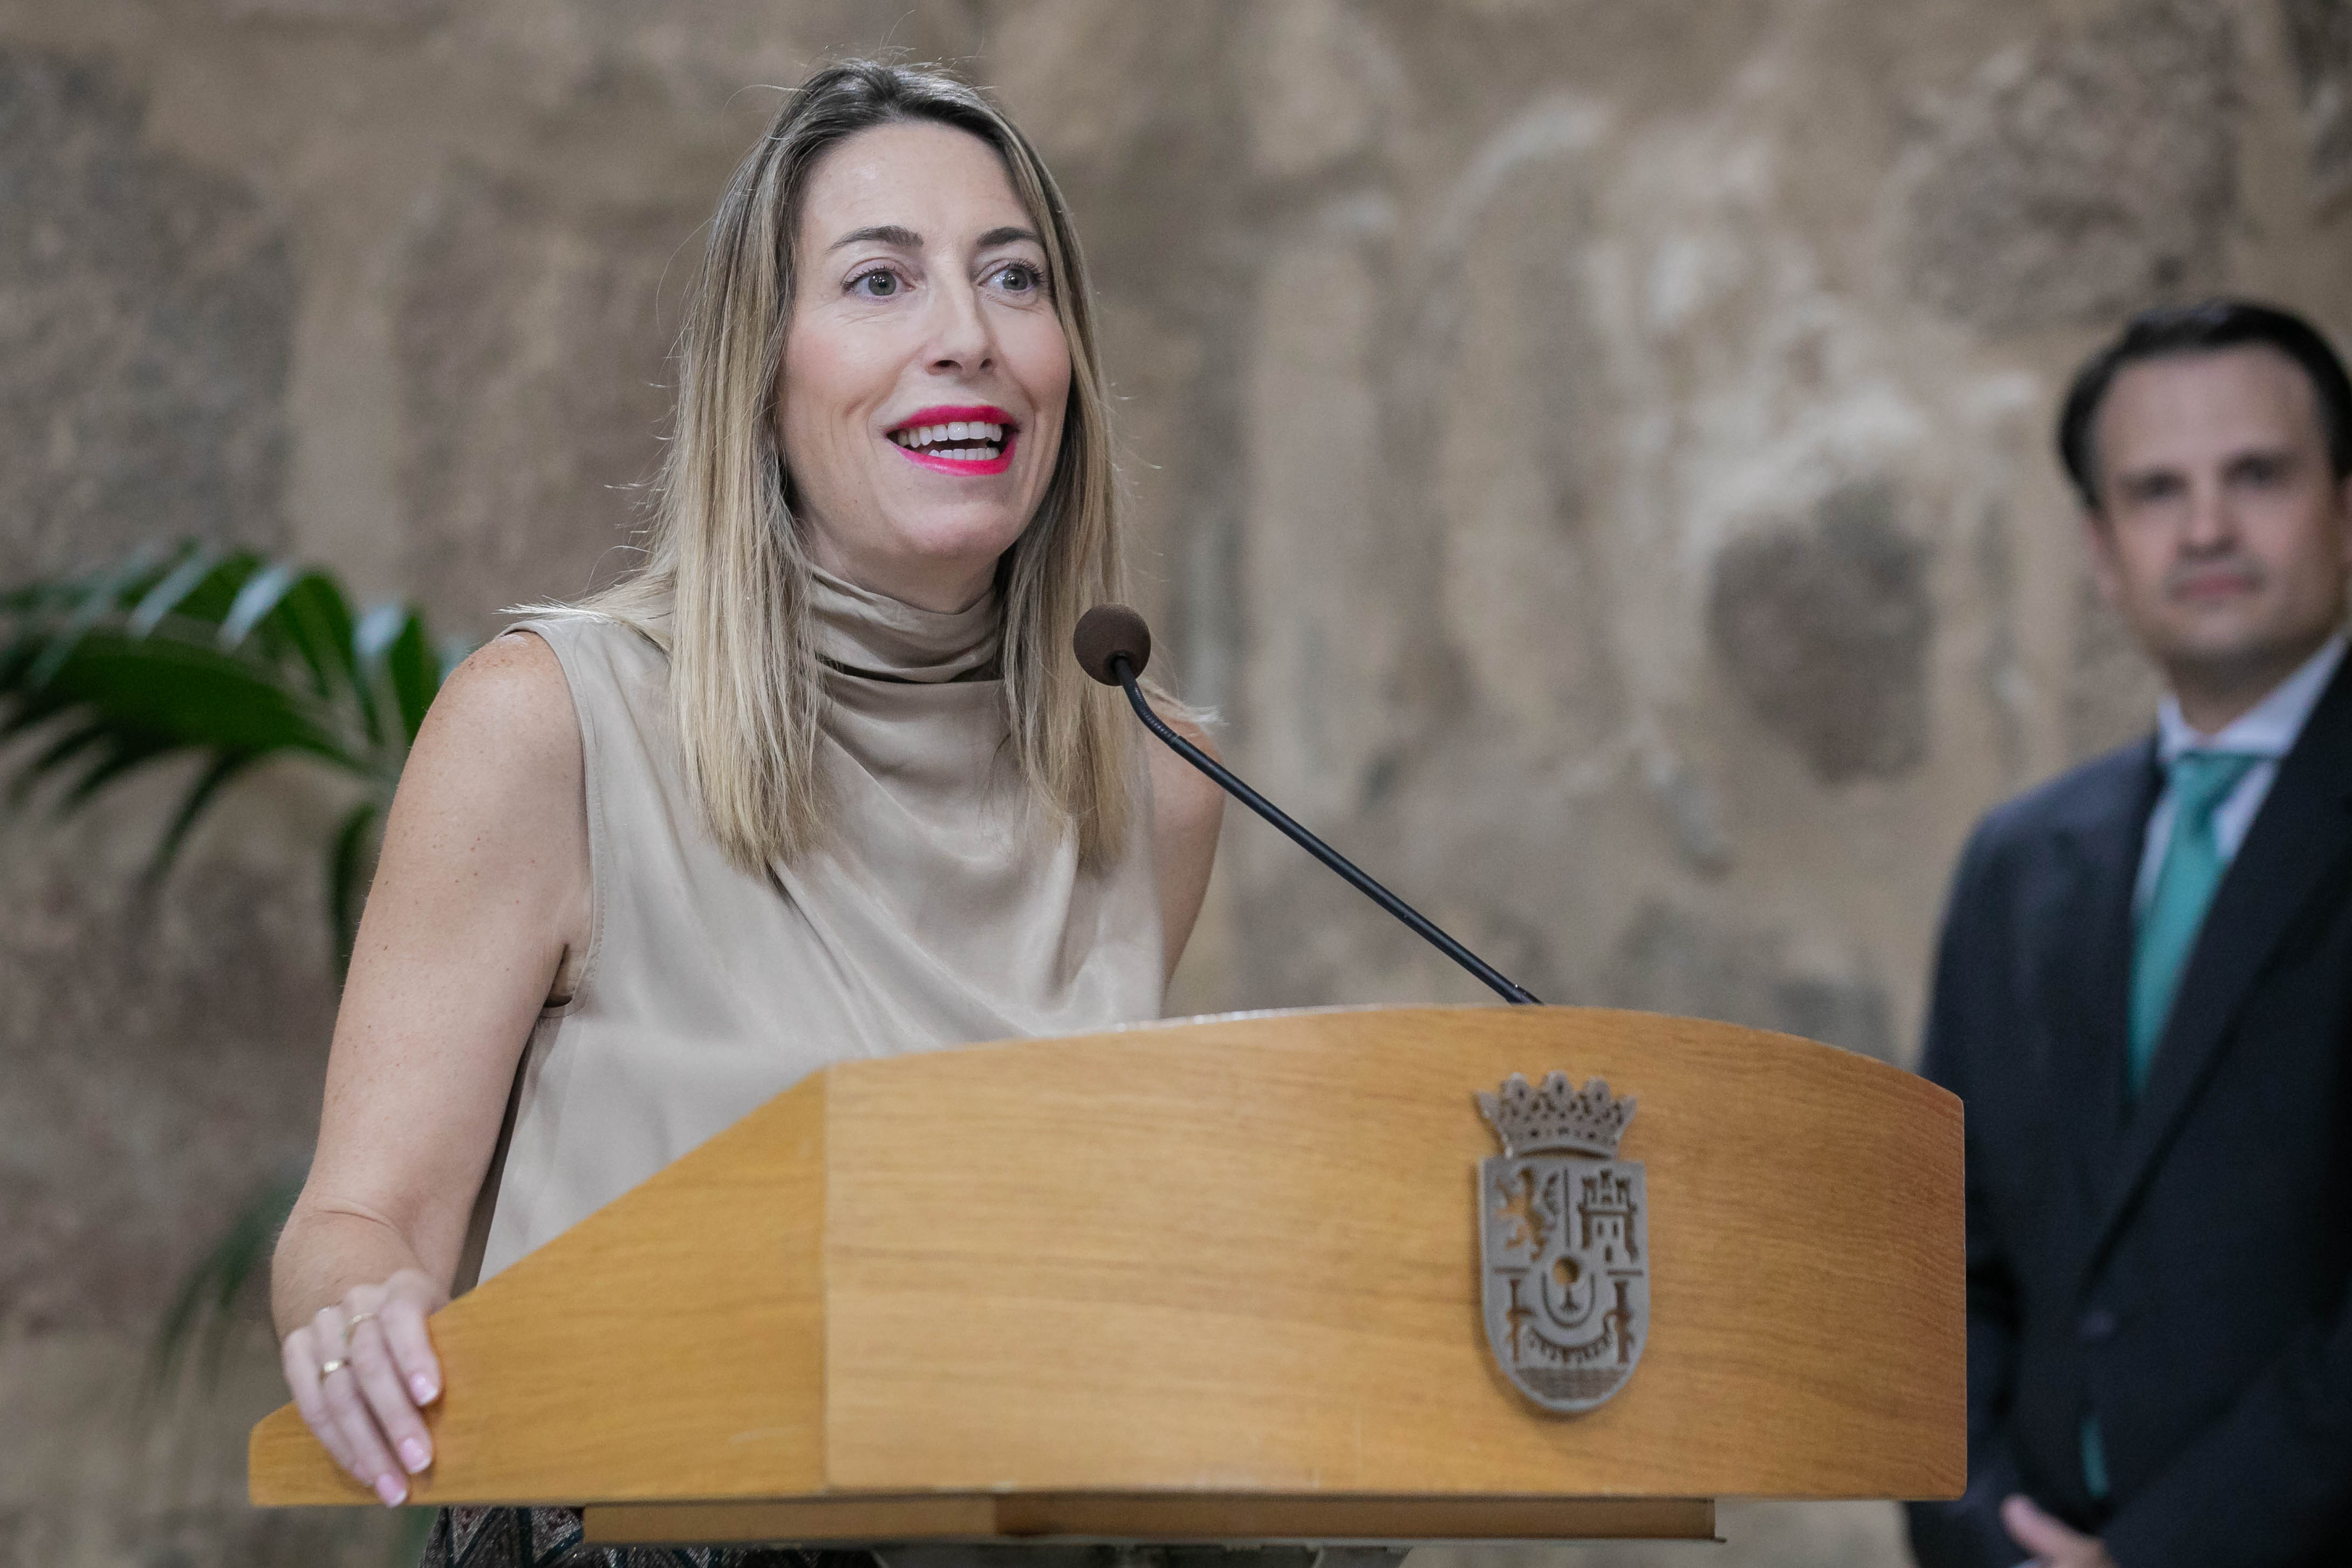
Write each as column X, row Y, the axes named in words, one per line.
column 390, row 1489
column 422, row 1386
column 413, row 1454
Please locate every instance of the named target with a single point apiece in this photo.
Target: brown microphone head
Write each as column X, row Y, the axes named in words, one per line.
column 1107, row 632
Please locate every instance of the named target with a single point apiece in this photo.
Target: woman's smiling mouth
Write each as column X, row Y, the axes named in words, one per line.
column 971, row 441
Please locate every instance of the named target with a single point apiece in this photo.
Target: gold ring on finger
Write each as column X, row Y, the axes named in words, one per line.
column 357, row 1319
column 328, row 1369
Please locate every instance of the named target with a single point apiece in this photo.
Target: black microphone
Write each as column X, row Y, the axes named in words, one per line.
column 1113, row 645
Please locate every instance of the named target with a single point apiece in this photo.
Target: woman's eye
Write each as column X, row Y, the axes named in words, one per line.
column 879, row 284
column 1020, row 278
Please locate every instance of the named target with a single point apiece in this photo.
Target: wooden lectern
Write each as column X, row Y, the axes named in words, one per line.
column 1215, row 1281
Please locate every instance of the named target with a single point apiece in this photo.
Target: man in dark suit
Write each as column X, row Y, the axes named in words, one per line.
column 2143, row 997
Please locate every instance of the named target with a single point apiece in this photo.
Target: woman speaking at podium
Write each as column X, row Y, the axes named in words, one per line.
column 819, row 781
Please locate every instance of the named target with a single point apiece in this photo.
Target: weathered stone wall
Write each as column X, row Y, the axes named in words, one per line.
column 1594, row 455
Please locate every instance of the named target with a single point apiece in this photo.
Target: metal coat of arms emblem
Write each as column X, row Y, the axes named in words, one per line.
column 1563, row 1242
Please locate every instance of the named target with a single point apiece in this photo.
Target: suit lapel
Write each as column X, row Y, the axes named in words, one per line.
column 2090, row 958
column 2297, row 841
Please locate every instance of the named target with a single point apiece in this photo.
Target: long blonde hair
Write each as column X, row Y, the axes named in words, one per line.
column 725, row 585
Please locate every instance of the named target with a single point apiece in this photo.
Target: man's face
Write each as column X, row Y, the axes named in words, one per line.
column 2222, row 533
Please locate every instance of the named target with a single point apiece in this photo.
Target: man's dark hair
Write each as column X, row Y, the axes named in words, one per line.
column 2203, row 328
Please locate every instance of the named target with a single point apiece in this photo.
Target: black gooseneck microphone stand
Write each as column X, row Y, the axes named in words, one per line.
column 1122, row 665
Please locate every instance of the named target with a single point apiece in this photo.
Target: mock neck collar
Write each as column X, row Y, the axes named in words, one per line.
column 867, row 634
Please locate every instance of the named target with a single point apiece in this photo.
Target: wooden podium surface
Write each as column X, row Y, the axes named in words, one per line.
column 1216, row 1280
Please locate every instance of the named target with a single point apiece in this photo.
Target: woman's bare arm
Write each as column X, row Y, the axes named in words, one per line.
column 1187, row 807
column 481, row 892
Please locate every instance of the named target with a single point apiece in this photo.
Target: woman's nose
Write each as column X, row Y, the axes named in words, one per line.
column 961, row 339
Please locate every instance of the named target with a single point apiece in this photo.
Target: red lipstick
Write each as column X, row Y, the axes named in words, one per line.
column 936, row 418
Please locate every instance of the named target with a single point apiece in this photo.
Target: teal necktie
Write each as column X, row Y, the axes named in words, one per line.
column 2193, row 864
column 2192, row 868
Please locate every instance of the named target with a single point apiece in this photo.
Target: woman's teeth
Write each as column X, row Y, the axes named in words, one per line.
column 963, row 441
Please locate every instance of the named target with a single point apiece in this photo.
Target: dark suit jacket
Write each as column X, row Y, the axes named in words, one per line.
column 2177, row 1265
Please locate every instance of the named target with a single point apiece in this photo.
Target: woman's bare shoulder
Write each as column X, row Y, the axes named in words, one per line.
column 492, row 802
column 513, row 672
column 498, row 759
column 1186, row 807
column 509, row 702
column 1187, row 801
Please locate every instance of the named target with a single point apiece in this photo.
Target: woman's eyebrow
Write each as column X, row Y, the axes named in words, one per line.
column 905, row 238
column 889, row 233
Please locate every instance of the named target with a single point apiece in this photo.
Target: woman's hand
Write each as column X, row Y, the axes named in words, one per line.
column 362, row 1371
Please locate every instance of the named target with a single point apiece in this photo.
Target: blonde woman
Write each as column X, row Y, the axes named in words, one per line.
column 820, row 781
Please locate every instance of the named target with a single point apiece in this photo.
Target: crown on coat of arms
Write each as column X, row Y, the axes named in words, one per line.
column 1555, row 1115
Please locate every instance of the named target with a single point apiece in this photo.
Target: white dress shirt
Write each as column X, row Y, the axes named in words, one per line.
column 2268, row 730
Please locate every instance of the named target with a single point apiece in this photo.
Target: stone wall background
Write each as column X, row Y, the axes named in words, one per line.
column 1592, row 455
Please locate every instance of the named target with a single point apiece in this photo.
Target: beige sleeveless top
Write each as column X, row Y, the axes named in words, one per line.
column 944, row 909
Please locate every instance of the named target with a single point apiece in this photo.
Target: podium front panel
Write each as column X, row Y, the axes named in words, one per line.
column 1244, row 1255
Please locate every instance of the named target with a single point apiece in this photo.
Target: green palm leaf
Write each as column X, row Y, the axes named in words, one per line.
column 230, row 660
column 223, row 657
